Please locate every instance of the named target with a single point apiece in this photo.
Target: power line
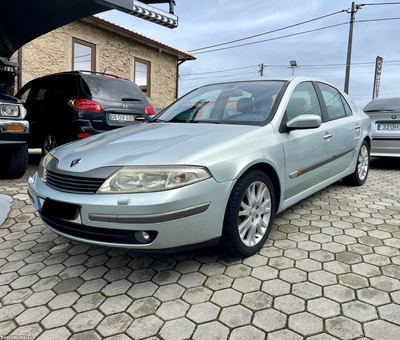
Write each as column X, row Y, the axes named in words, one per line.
column 268, row 32
column 225, row 75
column 381, row 19
column 232, row 69
column 381, row 3
column 276, row 38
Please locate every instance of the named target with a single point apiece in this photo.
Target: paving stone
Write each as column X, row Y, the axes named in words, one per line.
column 264, row 273
column 237, row 271
column 169, row 292
column 247, row 332
column 339, row 293
column 322, row 278
column 308, row 265
column 257, row 300
column 91, row 286
column 143, row 289
column 293, row 275
column 376, row 259
column 281, row 263
column 85, row 321
column 336, row 267
column 284, row 334
column 203, row 312
column 390, row 313
column 211, row 331
column 385, row 283
column 17, row 296
column 33, row 330
column 392, row 271
column 177, row 329
column 115, row 304
column 185, row 267
column 381, row 330
column 32, row 315
column 373, row 296
column 172, row 310
column 289, row 304
column 141, row 275
column 61, row 333
column 366, row 269
column 58, row 318
column 197, row 295
column 246, row 284
column 269, row 320
column 235, row 316
column 68, row 285
column 192, row 280
column 11, row 312
column 114, row 324
column 88, row 302
column 353, row 281
column 88, row 335
column 255, row 261
column 39, row 298
column 226, row 297
column 7, row 327
column 144, row 327
column 143, row 307
column 344, row 328
column 305, row 323
column 163, row 264
column 323, row 307
column 116, row 288
column 359, row 311
column 166, row 277
column 276, row 287
column 63, row 300
column 306, row 290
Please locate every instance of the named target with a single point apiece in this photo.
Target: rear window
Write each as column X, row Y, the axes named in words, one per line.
column 389, row 104
column 112, row 89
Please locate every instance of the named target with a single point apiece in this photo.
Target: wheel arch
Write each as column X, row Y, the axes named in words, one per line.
column 270, row 171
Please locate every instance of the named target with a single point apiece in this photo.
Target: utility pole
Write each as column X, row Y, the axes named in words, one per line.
column 354, row 9
column 262, row 69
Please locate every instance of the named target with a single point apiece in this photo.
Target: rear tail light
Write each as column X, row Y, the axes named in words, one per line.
column 83, row 135
column 110, row 77
column 85, row 104
column 149, row 110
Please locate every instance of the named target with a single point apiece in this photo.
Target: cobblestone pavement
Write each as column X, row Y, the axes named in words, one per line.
column 330, row 270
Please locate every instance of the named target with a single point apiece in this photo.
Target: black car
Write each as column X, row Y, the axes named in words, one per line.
column 66, row 106
column 13, row 137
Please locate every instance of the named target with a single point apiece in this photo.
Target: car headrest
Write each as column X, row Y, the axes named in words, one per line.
column 245, row 105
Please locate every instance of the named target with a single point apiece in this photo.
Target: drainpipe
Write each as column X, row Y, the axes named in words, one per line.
column 177, row 76
column 19, row 68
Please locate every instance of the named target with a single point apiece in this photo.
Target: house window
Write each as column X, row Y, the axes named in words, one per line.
column 142, row 75
column 84, row 55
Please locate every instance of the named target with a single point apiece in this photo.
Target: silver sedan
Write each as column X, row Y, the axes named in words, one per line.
column 385, row 122
column 213, row 168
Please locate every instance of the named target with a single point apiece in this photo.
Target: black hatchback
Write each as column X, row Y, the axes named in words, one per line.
column 67, row 106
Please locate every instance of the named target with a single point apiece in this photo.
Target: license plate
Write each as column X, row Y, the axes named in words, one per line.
column 388, row 127
column 121, row 118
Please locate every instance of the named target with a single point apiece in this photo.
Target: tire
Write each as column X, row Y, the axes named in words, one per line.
column 243, row 214
column 15, row 161
column 359, row 176
column 50, row 142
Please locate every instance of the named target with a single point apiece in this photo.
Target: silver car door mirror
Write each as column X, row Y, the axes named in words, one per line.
column 304, row 122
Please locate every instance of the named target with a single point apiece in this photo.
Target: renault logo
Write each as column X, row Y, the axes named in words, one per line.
column 75, row 162
column 393, row 117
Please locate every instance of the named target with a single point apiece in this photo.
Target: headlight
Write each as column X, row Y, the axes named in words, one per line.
column 42, row 166
column 150, row 179
column 8, row 110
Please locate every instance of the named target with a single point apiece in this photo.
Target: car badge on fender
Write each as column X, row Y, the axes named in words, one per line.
column 393, row 117
column 75, row 162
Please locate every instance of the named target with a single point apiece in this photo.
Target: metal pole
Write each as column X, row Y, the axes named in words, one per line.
column 262, row 69
column 350, row 42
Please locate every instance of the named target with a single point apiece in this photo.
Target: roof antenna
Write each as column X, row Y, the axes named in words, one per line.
column 104, row 72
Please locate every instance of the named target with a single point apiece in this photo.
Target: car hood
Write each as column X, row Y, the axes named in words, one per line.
column 146, row 144
column 8, row 99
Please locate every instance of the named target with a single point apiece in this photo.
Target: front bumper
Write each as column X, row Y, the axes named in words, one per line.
column 13, row 131
column 176, row 219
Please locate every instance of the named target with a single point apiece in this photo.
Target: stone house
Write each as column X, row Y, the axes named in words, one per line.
column 95, row 44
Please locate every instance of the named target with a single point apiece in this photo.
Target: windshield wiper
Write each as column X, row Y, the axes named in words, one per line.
column 381, row 110
column 130, row 100
column 156, row 121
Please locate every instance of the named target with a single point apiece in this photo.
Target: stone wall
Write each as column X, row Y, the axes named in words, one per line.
column 52, row 53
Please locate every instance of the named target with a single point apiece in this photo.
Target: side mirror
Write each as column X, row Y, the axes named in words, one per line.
column 304, row 122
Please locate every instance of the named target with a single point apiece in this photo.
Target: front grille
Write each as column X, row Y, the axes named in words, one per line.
column 73, row 184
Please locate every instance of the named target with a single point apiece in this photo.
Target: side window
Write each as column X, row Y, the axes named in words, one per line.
column 333, row 102
column 346, row 107
column 24, row 96
column 44, row 90
column 304, row 100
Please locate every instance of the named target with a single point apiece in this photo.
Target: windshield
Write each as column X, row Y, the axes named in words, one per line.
column 389, row 104
column 240, row 103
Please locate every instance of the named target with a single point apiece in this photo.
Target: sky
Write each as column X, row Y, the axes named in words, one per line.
column 208, row 22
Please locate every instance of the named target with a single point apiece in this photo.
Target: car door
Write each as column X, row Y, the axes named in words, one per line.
column 346, row 127
column 307, row 151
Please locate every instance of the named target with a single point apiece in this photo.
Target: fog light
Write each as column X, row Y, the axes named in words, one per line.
column 142, row 236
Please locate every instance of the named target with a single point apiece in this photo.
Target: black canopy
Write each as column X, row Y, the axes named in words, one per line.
column 24, row 20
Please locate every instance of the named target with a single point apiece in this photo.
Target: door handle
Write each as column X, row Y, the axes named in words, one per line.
column 357, row 127
column 328, row 135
